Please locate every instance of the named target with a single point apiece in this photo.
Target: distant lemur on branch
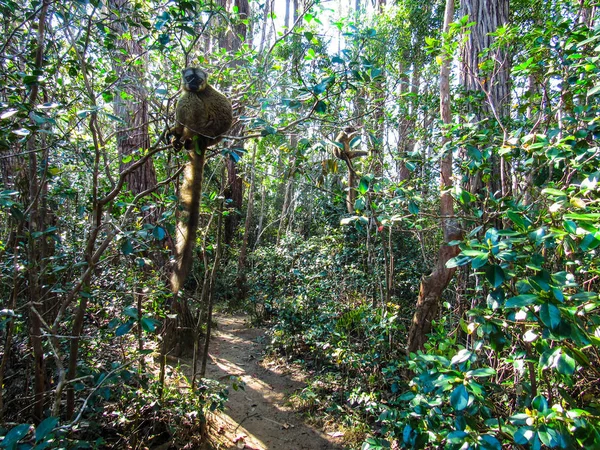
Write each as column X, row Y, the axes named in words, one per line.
column 202, row 116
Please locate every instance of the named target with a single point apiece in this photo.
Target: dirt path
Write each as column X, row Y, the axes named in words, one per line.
column 256, row 418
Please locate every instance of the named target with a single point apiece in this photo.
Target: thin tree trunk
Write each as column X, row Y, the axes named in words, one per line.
column 35, row 225
column 241, row 269
column 261, row 217
column 263, row 32
column 433, row 286
column 211, row 293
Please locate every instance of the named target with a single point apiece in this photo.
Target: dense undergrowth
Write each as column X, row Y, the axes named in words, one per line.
column 86, row 241
column 513, row 360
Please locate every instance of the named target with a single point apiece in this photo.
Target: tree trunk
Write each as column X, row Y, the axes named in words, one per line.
column 488, row 15
column 211, row 291
column 242, row 289
column 132, row 135
column 35, row 249
column 433, row 286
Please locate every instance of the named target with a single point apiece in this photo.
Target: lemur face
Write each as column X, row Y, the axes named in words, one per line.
column 194, row 79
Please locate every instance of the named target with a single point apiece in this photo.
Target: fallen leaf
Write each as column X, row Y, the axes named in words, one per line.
column 335, row 434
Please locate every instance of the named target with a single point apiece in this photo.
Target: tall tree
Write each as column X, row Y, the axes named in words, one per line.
column 131, row 99
column 433, row 285
column 490, row 80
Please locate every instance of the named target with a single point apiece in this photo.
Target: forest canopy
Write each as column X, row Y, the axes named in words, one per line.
column 407, row 201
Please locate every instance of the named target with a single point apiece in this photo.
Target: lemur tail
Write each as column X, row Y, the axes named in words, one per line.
column 190, row 193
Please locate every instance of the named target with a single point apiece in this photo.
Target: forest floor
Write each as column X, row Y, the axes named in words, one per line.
column 257, row 417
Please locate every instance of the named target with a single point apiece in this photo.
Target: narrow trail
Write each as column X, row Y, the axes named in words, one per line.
column 256, row 418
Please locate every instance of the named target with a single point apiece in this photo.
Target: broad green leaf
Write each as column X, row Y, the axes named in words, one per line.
column 592, row 217
column 589, row 242
column 359, row 204
column 375, row 444
column 565, row 364
column 459, row 399
column 594, row 90
column 521, row 300
column 457, row 437
column 550, row 315
column 489, row 442
column 554, row 192
column 15, row 435
column 131, row 311
column 363, row 186
column 124, row 328
column 495, row 275
column 479, row 261
column 474, row 253
column 413, row 208
column 461, row 356
column 127, row 247
column 159, row 233
column 520, row 221
column 540, row 403
column 458, row 261
column 570, row 226
column 549, row 436
column 149, row 324
column 45, row 427
column 523, row 435
column 483, row 372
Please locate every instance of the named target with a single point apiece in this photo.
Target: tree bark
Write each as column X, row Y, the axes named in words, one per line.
column 488, row 16
column 132, row 135
column 242, row 289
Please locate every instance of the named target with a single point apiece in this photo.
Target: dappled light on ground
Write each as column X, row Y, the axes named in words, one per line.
column 256, row 417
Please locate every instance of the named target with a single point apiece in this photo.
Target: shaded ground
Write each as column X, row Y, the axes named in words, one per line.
column 256, row 418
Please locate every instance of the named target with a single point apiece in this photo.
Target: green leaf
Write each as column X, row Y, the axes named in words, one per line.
column 479, row 261
column 565, row 364
column 521, row 300
column 459, row 399
column 594, row 90
column 413, row 208
column 549, row 436
column 149, row 324
column 523, row 435
column 457, row 437
column 363, row 186
column 461, row 356
column 159, row 233
column 489, row 442
column 589, row 242
column 124, row 328
column 474, row 253
column 570, row 226
column 458, row 261
column 127, row 247
column 45, row 427
column 592, row 217
column 483, row 372
column 375, row 444
column 495, row 275
column 359, row 204
column 550, row 315
column 321, row 107
column 131, row 311
column 15, row 435
column 540, row 403
column 520, row 221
